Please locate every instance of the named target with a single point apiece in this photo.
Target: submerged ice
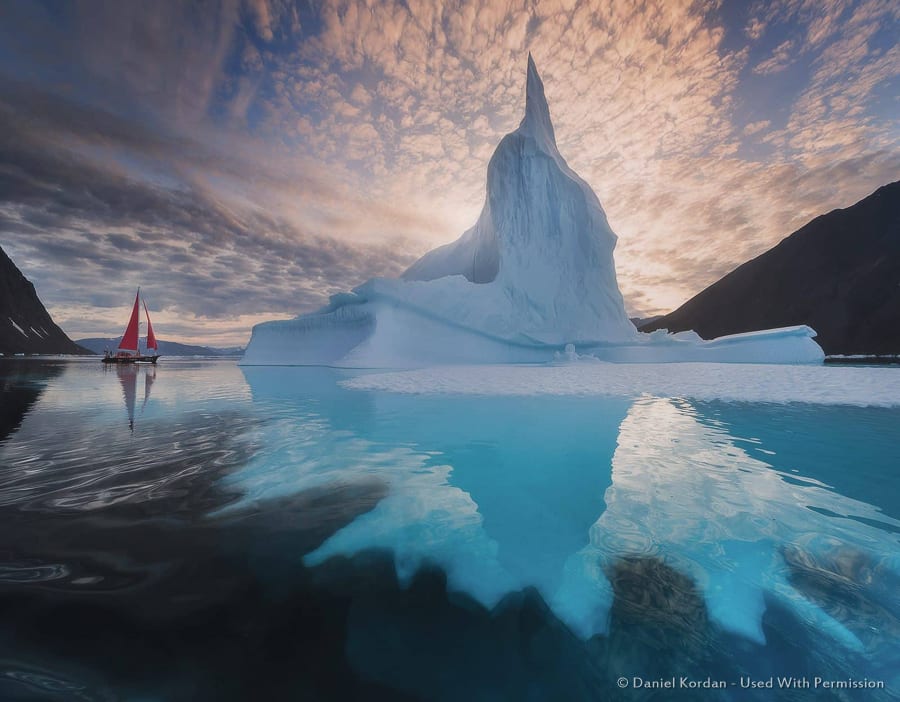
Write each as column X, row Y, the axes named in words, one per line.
column 556, row 492
column 534, row 276
column 680, row 491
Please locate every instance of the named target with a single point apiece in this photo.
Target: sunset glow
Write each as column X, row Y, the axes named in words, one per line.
column 241, row 161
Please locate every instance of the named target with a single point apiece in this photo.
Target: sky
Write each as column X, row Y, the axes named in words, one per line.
column 243, row 160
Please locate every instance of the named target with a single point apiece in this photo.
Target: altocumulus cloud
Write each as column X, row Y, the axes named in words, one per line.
column 85, row 223
column 243, row 160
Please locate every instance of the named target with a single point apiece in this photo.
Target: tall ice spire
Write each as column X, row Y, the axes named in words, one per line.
column 536, row 122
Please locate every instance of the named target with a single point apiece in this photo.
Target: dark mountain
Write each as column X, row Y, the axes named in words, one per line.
column 21, row 386
column 840, row 274
column 25, row 325
column 166, row 348
column 643, row 321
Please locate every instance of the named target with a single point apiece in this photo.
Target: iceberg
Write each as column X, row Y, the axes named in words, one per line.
column 534, row 278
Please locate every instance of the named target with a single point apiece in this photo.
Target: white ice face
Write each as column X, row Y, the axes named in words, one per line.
column 533, row 275
column 542, row 248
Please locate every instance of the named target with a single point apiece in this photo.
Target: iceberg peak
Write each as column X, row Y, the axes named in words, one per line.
column 535, row 275
column 536, row 122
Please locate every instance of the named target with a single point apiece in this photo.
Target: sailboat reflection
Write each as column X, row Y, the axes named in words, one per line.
column 128, row 378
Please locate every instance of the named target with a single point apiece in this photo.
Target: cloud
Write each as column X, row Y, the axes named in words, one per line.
column 778, row 61
column 755, row 28
column 101, row 232
column 260, row 9
column 756, row 127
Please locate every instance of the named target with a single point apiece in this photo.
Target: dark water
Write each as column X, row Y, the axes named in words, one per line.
column 198, row 531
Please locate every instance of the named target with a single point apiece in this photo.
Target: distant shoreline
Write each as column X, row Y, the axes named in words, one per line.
column 855, row 359
column 94, row 357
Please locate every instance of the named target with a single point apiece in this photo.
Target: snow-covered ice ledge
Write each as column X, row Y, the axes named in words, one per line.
column 534, row 278
column 378, row 335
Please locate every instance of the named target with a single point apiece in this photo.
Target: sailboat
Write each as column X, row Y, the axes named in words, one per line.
column 128, row 350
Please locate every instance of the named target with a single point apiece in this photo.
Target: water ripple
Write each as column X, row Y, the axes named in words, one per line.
column 90, row 468
column 53, row 683
column 31, row 573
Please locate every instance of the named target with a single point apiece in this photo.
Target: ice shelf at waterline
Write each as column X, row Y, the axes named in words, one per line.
column 534, row 278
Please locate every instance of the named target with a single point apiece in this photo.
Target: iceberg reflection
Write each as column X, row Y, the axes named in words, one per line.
column 499, row 492
column 683, row 491
column 566, row 494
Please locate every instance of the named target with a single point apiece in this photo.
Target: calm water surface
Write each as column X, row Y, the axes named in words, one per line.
column 199, row 531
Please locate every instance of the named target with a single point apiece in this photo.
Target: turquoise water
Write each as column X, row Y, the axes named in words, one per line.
column 203, row 531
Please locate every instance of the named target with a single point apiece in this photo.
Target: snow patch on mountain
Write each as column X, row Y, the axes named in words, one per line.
column 20, row 330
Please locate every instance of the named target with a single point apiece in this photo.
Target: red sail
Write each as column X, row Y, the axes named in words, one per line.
column 130, row 337
column 151, row 337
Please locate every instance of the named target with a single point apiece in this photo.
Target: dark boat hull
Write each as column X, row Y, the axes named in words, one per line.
column 130, row 359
